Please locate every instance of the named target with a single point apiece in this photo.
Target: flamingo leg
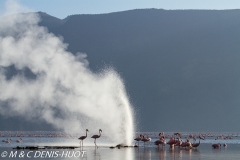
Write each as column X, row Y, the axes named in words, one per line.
column 136, row 143
column 95, row 143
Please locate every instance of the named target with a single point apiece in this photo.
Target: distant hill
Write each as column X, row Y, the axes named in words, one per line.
column 49, row 21
column 181, row 65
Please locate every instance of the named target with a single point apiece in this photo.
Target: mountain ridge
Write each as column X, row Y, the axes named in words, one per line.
column 178, row 65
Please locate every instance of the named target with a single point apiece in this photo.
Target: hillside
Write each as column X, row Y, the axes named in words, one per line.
column 182, row 64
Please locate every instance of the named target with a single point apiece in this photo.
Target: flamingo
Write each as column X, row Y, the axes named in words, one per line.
column 8, row 141
column 195, row 145
column 161, row 140
column 171, row 142
column 202, row 137
column 158, row 142
column 218, row 145
column 19, row 141
column 83, row 137
column 96, row 136
column 177, row 134
column 186, row 144
column 178, row 142
column 146, row 139
column 161, row 134
column 138, row 139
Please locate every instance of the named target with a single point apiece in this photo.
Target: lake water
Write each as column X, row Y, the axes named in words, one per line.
column 144, row 152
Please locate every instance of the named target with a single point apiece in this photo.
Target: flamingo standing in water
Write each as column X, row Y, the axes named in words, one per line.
column 96, row 136
column 158, row 142
column 8, row 141
column 146, row 139
column 19, row 141
column 186, row 144
column 218, row 145
column 195, row 145
column 83, row 137
column 161, row 140
column 171, row 142
column 178, row 142
column 138, row 139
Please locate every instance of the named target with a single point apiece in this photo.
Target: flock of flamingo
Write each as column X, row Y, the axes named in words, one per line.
column 37, row 134
column 52, row 135
column 176, row 141
column 20, row 135
column 10, row 140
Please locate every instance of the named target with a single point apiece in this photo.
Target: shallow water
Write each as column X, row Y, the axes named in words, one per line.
column 144, row 152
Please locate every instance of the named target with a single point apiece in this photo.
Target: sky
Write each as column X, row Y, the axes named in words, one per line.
column 62, row 8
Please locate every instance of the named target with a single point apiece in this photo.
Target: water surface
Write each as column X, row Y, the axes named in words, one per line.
column 144, row 151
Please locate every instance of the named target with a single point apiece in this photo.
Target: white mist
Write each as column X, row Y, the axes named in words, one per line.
column 65, row 93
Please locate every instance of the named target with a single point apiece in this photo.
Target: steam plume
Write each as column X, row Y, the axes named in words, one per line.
column 64, row 92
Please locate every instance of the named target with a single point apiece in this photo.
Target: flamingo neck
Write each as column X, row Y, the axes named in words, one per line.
column 99, row 133
column 86, row 133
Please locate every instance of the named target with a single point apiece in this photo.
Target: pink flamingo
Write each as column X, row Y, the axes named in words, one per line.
column 96, row 136
column 186, row 144
column 83, row 137
column 178, row 142
column 171, row 142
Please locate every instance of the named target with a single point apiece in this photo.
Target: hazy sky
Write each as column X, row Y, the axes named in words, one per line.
column 62, row 8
